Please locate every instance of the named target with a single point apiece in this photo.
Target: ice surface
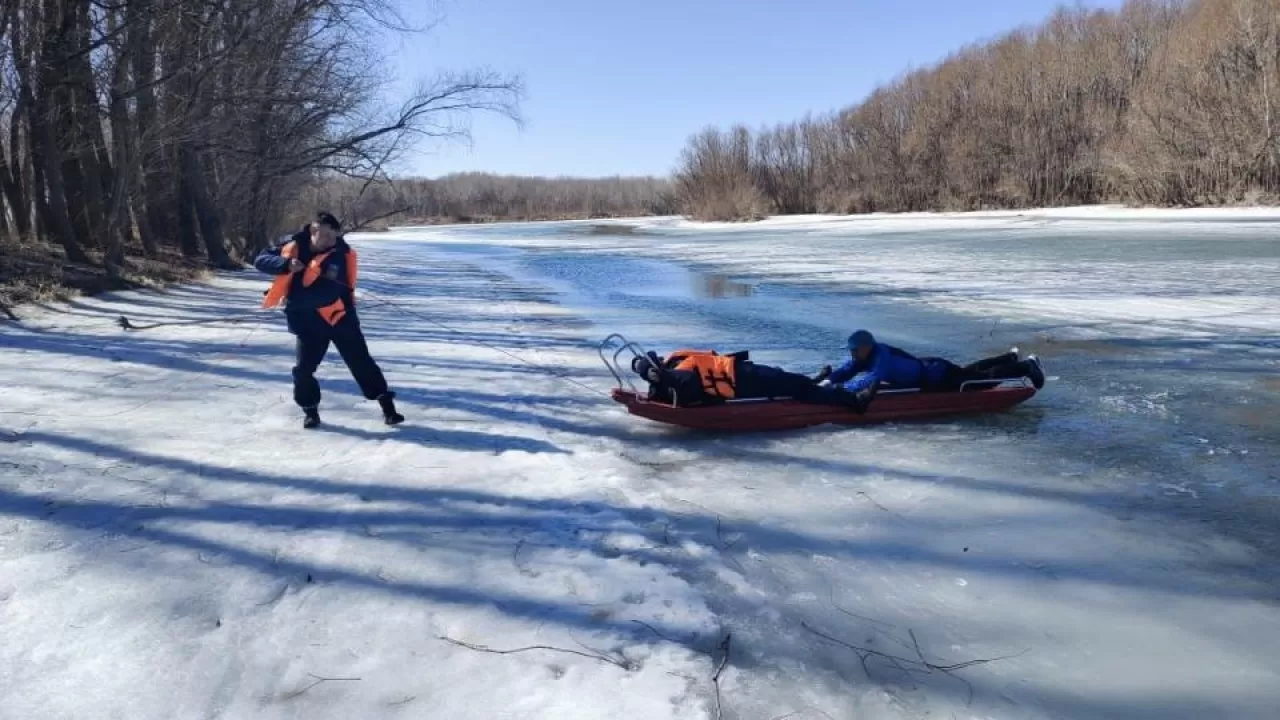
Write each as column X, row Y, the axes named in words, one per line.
column 173, row 545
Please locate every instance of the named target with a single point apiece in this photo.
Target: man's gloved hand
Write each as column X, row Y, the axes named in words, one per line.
column 823, row 374
column 862, row 399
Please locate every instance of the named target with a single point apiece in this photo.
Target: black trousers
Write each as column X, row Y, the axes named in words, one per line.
column 313, row 340
column 998, row 367
column 764, row 381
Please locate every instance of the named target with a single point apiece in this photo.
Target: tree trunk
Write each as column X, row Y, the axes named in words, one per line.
column 13, row 197
column 118, row 216
column 84, row 129
column 206, row 214
column 46, row 153
column 142, row 64
column 187, row 240
column 151, row 152
column 53, row 203
column 255, row 220
column 85, row 88
column 22, row 202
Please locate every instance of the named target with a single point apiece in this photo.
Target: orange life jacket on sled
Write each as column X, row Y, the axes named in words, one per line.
column 279, row 290
column 717, row 372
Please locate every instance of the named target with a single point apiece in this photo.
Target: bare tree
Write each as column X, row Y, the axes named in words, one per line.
column 480, row 197
column 171, row 129
column 1163, row 101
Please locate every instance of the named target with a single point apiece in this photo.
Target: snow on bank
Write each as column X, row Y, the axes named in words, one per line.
column 961, row 220
column 906, row 221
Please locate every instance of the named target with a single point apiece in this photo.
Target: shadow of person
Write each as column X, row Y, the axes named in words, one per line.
column 462, row 440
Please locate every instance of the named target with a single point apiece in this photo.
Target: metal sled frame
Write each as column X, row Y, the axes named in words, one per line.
column 615, row 368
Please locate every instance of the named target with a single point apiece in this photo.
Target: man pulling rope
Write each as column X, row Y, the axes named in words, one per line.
column 315, row 276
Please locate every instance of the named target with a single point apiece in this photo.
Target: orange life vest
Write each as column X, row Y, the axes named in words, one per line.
column 279, row 290
column 717, row 372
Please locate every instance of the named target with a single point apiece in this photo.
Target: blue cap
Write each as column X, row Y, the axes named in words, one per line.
column 861, row 338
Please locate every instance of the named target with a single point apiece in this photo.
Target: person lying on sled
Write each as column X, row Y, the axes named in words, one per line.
column 688, row 378
column 872, row 363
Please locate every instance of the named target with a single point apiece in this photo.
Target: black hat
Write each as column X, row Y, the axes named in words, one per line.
column 326, row 218
column 641, row 365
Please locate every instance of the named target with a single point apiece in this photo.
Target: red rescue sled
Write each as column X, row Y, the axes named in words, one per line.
column 756, row 415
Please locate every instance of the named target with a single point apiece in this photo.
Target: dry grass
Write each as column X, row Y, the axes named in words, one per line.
column 33, row 272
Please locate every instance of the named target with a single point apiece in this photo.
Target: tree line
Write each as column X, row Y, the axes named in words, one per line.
column 483, row 197
column 1165, row 102
column 193, row 128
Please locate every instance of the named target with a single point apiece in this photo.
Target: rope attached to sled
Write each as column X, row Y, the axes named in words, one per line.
column 258, row 315
column 125, row 324
column 514, row 356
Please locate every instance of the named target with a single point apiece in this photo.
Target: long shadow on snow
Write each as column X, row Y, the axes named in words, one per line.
column 454, row 439
column 764, row 538
column 495, row 523
column 184, row 356
column 160, row 354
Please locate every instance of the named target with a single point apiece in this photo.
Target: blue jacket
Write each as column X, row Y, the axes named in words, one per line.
column 888, row 364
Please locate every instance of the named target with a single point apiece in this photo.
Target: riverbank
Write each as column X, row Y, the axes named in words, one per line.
column 941, row 220
column 894, row 221
column 39, row 273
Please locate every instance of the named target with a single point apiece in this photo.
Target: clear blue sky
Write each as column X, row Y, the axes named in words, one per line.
column 617, row 87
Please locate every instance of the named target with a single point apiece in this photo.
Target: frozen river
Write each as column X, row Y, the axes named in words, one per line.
column 1163, row 339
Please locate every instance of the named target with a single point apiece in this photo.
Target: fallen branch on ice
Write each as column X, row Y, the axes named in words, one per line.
column 878, row 505
column 723, row 647
column 920, row 663
column 318, row 680
column 621, row 658
column 725, row 544
column 671, row 640
column 485, row 649
column 831, row 590
column 715, row 679
column 515, row 560
column 797, row 713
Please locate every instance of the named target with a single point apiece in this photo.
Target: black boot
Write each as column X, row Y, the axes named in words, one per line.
column 1035, row 371
column 995, row 361
column 387, row 401
column 310, row 417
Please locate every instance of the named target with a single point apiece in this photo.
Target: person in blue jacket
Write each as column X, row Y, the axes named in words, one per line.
column 872, row 363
